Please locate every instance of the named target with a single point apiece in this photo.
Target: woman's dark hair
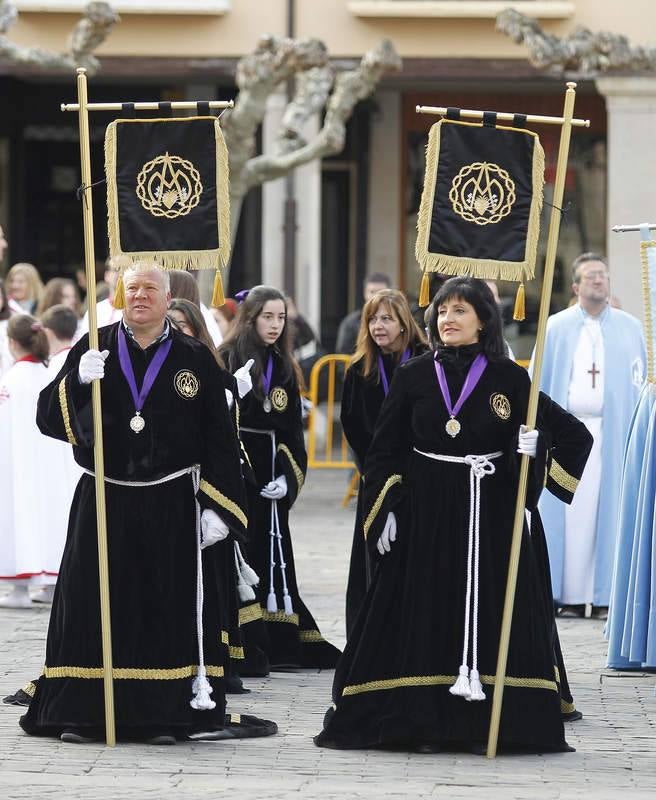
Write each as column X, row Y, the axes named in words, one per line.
column 243, row 341
column 196, row 322
column 479, row 295
column 184, row 286
column 5, row 310
column 29, row 335
column 53, row 292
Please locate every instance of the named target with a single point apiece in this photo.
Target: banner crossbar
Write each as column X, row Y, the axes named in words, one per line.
column 154, row 105
column 504, row 116
column 625, row 228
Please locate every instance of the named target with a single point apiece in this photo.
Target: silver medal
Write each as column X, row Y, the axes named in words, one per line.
column 267, row 405
column 137, row 423
column 452, row 427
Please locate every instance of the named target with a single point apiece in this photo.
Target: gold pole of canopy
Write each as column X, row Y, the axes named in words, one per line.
column 518, row 527
column 99, row 466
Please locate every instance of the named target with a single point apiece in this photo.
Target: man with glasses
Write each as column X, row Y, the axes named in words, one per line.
column 594, row 366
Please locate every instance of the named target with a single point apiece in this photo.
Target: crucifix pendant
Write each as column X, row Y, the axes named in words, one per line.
column 594, row 372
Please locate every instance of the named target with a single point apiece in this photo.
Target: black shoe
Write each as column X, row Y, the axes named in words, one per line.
column 76, row 736
column 21, row 698
column 572, row 716
column 237, row 726
column 576, row 611
column 427, row 747
column 233, row 685
column 160, row 737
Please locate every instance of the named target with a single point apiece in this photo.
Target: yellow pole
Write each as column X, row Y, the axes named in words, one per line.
column 515, row 548
column 99, row 467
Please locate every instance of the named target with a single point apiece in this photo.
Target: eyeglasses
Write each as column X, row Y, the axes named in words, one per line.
column 384, row 318
column 592, row 276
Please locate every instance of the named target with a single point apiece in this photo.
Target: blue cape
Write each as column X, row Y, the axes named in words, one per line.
column 624, row 360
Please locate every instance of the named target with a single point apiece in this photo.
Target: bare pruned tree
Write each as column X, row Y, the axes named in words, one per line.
column 90, row 32
column 274, row 62
column 583, row 53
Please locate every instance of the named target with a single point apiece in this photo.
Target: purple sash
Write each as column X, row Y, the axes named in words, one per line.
column 473, row 376
column 383, row 374
column 139, row 397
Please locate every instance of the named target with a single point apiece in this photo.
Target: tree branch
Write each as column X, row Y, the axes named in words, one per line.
column 89, row 33
column 583, row 53
column 350, row 88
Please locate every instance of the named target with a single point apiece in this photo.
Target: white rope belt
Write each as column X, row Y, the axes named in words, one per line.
column 275, row 537
column 200, row 686
column 468, row 682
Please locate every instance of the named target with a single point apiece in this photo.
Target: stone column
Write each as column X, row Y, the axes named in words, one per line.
column 631, row 108
column 273, row 199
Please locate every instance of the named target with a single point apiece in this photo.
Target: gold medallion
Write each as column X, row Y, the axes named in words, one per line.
column 453, row 427
column 169, row 186
column 500, row 404
column 482, row 193
column 186, row 384
column 278, row 398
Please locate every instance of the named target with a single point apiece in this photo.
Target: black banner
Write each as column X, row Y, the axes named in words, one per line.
column 480, row 208
column 168, row 192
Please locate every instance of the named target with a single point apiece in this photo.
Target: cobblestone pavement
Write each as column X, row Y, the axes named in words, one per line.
column 615, row 742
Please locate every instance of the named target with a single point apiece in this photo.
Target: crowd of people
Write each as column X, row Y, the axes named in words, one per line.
column 205, row 457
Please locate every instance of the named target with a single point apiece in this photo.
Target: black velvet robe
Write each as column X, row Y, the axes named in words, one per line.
column 392, row 683
column 362, row 399
column 151, row 533
column 275, row 639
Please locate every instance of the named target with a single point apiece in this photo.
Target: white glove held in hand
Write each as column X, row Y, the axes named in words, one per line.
column 212, row 527
column 92, row 365
column 229, row 398
column 388, row 535
column 527, row 444
column 274, row 490
column 243, row 378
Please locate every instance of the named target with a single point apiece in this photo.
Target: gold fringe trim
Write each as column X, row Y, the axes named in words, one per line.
column 562, row 477
column 310, row 636
column 298, row 472
column 280, row 616
column 224, row 502
column 379, row 501
column 131, row 673
column 444, row 680
column 646, row 296
column 250, row 613
column 30, row 688
column 173, row 259
column 519, row 312
column 63, row 405
column 566, row 708
column 480, row 267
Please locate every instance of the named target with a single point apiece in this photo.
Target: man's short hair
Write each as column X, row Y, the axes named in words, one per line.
column 378, row 277
column 582, row 259
column 61, row 320
column 148, row 266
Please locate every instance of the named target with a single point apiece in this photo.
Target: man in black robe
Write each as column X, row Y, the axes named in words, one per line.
column 173, row 488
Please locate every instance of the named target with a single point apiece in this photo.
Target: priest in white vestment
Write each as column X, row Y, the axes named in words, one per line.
column 594, row 366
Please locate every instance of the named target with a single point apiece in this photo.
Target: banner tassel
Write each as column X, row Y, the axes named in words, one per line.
column 424, row 292
column 519, row 312
column 119, row 294
column 218, row 297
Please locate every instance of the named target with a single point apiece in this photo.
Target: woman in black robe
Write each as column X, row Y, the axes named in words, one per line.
column 426, row 639
column 277, row 628
column 388, row 336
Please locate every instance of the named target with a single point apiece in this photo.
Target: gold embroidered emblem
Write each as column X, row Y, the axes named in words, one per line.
column 483, row 193
column 279, row 398
column 169, row 186
column 500, row 405
column 186, row 384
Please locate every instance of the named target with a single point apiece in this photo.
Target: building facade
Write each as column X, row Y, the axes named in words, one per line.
column 355, row 212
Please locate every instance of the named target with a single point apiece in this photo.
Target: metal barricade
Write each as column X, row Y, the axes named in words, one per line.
column 325, row 457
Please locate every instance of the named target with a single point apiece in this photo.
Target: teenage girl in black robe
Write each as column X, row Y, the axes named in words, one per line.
column 271, row 430
column 419, row 667
column 388, row 336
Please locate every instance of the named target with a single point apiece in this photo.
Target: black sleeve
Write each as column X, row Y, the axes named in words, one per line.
column 352, row 416
column 291, row 456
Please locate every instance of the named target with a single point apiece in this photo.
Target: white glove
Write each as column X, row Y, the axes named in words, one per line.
column 92, row 366
column 274, row 490
column 243, row 378
column 388, row 535
column 527, row 444
column 212, row 527
column 229, row 398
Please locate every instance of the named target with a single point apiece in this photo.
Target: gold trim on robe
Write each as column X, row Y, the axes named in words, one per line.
column 224, row 502
column 298, row 472
column 132, row 673
column 444, row 680
column 562, row 477
column 379, row 501
column 63, row 404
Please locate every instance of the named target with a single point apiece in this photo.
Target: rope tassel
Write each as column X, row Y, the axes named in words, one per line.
column 461, row 687
column 476, row 688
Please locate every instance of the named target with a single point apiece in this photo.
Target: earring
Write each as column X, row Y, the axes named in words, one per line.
column 402, row 330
